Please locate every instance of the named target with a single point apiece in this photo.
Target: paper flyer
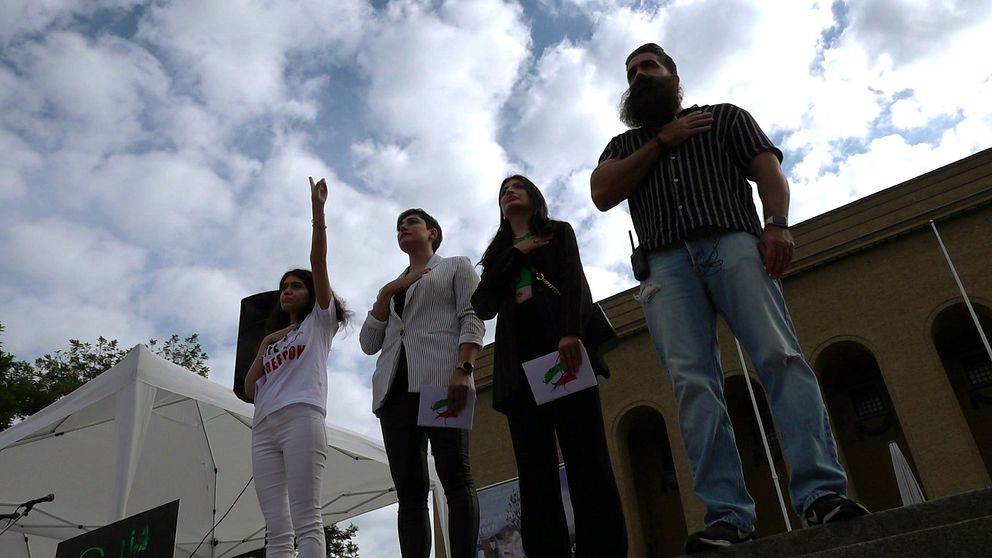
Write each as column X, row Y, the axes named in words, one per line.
column 549, row 381
column 434, row 409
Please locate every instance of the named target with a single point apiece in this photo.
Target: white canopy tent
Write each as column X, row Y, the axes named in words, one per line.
column 147, row 432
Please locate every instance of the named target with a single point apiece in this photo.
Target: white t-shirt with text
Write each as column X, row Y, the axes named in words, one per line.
column 295, row 367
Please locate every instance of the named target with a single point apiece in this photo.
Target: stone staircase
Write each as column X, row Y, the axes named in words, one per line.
column 955, row 527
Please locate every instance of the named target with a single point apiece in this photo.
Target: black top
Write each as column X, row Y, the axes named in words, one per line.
column 565, row 314
column 400, row 385
column 699, row 183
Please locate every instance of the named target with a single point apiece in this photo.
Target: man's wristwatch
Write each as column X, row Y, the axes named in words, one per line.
column 466, row 367
column 777, row 220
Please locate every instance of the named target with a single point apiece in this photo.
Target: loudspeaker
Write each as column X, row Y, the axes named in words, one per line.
column 255, row 310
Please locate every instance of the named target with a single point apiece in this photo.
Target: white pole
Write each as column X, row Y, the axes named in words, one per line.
column 764, row 438
column 964, row 295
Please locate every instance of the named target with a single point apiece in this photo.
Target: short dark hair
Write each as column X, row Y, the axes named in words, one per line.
column 431, row 223
column 656, row 50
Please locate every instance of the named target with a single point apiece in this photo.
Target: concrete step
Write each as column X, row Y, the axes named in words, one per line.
column 928, row 517
column 965, row 539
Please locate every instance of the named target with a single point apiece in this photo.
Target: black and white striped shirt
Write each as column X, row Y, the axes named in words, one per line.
column 699, row 183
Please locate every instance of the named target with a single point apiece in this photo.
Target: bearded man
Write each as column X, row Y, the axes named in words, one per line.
column 684, row 174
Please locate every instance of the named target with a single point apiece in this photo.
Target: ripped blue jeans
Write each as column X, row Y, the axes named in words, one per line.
column 689, row 284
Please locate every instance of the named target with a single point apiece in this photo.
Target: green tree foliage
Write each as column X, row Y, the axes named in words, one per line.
column 16, row 386
column 27, row 388
column 340, row 542
column 185, row 352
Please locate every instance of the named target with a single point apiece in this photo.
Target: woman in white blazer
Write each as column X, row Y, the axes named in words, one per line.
column 426, row 333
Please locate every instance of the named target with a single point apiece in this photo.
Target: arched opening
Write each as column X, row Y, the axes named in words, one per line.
column 864, row 421
column 656, row 487
column 968, row 369
column 754, row 462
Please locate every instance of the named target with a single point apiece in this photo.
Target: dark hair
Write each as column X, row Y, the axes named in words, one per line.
column 540, row 223
column 431, row 223
column 656, row 50
column 279, row 318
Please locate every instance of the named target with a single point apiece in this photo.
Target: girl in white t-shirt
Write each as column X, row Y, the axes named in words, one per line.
column 288, row 383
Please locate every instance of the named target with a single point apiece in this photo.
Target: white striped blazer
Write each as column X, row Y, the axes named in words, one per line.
column 437, row 318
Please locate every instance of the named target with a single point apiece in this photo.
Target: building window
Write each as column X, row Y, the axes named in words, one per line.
column 978, row 372
column 868, row 402
column 871, row 410
column 758, row 448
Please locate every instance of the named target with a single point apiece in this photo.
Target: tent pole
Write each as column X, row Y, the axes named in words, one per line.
column 213, row 462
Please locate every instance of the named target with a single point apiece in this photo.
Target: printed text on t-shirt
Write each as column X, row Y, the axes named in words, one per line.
column 276, row 359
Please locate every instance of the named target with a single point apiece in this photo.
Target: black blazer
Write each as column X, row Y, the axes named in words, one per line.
column 566, row 314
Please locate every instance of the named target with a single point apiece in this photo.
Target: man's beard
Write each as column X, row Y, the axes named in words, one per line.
column 650, row 102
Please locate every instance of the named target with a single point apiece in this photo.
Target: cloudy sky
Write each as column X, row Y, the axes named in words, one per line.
column 155, row 155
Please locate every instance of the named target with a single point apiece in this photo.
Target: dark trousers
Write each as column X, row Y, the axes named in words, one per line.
column 577, row 420
column 406, row 449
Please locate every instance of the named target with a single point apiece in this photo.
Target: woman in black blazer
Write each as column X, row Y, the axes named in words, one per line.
column 532, row 278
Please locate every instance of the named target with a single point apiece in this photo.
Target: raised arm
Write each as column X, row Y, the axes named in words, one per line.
column 318, row 244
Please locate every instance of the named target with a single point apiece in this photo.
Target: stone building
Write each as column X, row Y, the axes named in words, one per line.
column 883, row 324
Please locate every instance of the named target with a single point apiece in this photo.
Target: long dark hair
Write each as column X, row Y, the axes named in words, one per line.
column 279, row 318
column 540, row 223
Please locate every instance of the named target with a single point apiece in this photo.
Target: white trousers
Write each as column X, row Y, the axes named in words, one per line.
column 288, row 450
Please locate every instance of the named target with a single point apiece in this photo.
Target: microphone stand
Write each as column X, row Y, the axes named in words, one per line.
column 28, row 506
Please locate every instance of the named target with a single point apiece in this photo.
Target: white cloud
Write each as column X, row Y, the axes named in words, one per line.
column 198, row 299
column 88, row 93
column 907, row 30
column 35, row 325
column 437, row 84
column 24, row 17
column 157, row 197
column 55, row 255
column 64, row 279
column 443, row 75
column 19, row 159
column 888, row 161
column 236, row 55
column 554, row 138
column 907, row 113
column 350, row 398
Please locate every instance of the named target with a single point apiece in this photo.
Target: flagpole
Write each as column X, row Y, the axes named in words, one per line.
column 967, row 301
column 764, row 438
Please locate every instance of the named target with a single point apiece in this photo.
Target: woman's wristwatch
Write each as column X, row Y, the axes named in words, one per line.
column 466, row 367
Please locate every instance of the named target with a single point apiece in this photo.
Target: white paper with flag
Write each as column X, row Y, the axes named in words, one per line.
column 549, row 381
column 434, row 409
